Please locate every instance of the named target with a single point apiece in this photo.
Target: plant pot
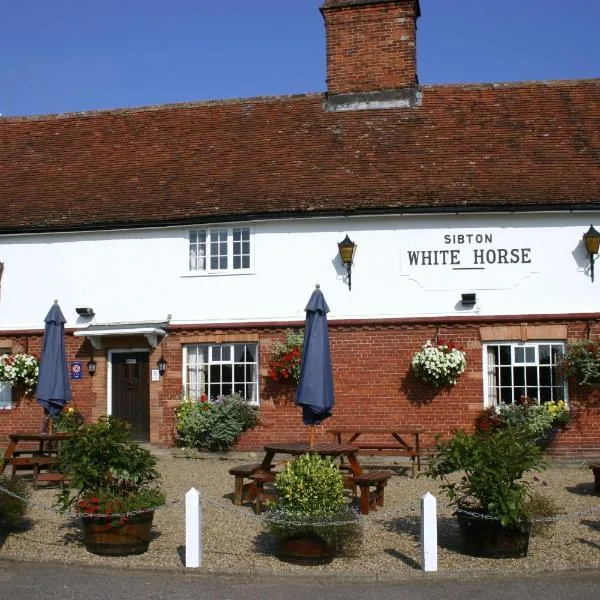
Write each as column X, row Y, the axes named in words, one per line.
column 304, row 550
column 114, row 539
column 487, row 537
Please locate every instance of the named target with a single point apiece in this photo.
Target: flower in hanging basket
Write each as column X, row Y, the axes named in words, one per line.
column 20, row 371
column 286, row 357
column 581, row 363
column 439, row 364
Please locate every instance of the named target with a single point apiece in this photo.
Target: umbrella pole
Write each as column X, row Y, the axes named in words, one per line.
column 311, row 436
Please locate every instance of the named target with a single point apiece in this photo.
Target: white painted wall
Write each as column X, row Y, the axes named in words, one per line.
column 142, row 275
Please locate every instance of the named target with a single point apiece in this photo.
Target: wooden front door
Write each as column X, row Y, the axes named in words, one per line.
column 131, row 392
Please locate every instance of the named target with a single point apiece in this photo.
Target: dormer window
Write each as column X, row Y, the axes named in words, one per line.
column 220, row 250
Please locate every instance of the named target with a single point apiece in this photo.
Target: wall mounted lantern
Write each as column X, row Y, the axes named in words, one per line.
column 162, row 366
column 347, row 248
column 591, row 239
column 91, row 365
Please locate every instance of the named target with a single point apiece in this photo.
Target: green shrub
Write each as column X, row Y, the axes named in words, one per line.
column 108, row 471
column 492, row 464
column 12, row 508
column 214, row 425
column 312, row 503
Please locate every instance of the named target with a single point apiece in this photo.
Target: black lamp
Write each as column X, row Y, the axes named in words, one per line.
column 591, row 239
column 347, row 248
column 91, row 365
column 162, row 366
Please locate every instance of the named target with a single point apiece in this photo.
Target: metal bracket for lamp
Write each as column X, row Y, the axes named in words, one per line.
column 591, row 239
column 347, row 248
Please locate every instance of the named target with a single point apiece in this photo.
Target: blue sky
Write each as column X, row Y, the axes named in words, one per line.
column 75, row 55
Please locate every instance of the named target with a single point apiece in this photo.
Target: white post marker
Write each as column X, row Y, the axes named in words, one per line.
column 428, row 532
column 193, row 528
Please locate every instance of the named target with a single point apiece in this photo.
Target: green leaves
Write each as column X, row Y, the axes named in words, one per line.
column 214, row 425
column 492, row 464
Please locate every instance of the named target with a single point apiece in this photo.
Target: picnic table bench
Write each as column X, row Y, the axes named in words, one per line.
column 393, row 438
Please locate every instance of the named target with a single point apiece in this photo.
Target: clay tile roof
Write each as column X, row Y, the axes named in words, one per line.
column 529, row 146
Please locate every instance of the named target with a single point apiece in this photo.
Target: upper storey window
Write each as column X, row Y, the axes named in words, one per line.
column 220, row 250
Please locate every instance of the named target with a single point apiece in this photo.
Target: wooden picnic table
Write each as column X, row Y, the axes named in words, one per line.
column 36, row 452
column 393, row 438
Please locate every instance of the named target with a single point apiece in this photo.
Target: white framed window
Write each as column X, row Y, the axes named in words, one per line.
column 5, row 390
column 221, row 369
column 220, row 250
column 516, row 369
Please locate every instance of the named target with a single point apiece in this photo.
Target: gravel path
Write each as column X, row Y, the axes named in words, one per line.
column 235, row 540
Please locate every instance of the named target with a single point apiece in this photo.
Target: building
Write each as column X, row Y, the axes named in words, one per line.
column 196, row 232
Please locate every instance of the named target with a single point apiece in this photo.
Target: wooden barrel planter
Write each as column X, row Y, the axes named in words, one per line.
column 487, row 537
column 304, row 550
column 116, row 538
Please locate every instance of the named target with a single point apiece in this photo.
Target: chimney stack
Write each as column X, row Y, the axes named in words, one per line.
column 371, row 45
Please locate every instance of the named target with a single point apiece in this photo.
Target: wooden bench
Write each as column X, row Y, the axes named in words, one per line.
column 244, row 491
column 372, row 486
column 52, row 477
column 263, row 495
column 595, row 467
column 33, row 463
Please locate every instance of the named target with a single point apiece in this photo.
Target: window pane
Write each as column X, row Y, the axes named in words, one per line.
column 519, row 373
column 544, row 354
column 545, row 376
column 519, row 355
column 505, row 355
column 506, row 376
column 530, row 354
column 532, row 376
column 226, row 353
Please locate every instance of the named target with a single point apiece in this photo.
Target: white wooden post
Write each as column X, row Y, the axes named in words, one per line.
column 428, row 532
column 193, row 528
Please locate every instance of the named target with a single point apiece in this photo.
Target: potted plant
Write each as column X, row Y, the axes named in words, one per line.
column 312, row 520
column 493, row 500
column 581, row 363
column 112, row 485
column 440, row 363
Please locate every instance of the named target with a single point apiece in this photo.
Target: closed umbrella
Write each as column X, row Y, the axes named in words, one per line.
column 315, row 388
column 53, row 390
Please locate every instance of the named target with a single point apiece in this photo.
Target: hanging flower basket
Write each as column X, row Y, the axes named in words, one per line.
column 286, row 357
column 20, row 371
column 439, row 364
column 581, row 363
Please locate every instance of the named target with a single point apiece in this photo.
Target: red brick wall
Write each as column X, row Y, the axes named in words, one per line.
column 370, row 46
column 372, row 379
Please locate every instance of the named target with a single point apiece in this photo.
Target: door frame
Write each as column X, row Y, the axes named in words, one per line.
column 109, row 365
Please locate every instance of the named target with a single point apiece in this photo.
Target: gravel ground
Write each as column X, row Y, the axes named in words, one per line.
column 234, row 539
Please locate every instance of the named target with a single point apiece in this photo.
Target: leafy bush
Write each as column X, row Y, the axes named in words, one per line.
column 68, row 420
column 537, row 421
column 214, row 425
column 492, row 463
column 312, row 503
column 108, row 471
column 12, row 509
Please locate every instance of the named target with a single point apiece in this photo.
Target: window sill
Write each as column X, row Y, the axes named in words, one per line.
column 217, row 273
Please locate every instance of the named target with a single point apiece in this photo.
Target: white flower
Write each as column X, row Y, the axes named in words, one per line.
column 20, row 370
column 440, row 364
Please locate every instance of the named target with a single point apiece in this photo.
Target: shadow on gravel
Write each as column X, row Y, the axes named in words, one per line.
column 6, row 528
column 581, row 489
column 448, row 534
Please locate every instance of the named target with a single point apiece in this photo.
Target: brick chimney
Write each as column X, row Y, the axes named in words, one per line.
column 370, row 45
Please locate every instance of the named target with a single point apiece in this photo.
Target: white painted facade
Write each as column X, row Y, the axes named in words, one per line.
column 405, row 266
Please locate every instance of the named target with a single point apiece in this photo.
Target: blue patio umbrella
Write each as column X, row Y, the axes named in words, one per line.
column 315, row 388
column 53, row 390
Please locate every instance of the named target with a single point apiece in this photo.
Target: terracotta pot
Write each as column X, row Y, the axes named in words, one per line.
column 115, row 539
column 305, row 550
column 486, row 537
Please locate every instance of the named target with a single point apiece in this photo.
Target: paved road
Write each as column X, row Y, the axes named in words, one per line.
column 31, row 581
